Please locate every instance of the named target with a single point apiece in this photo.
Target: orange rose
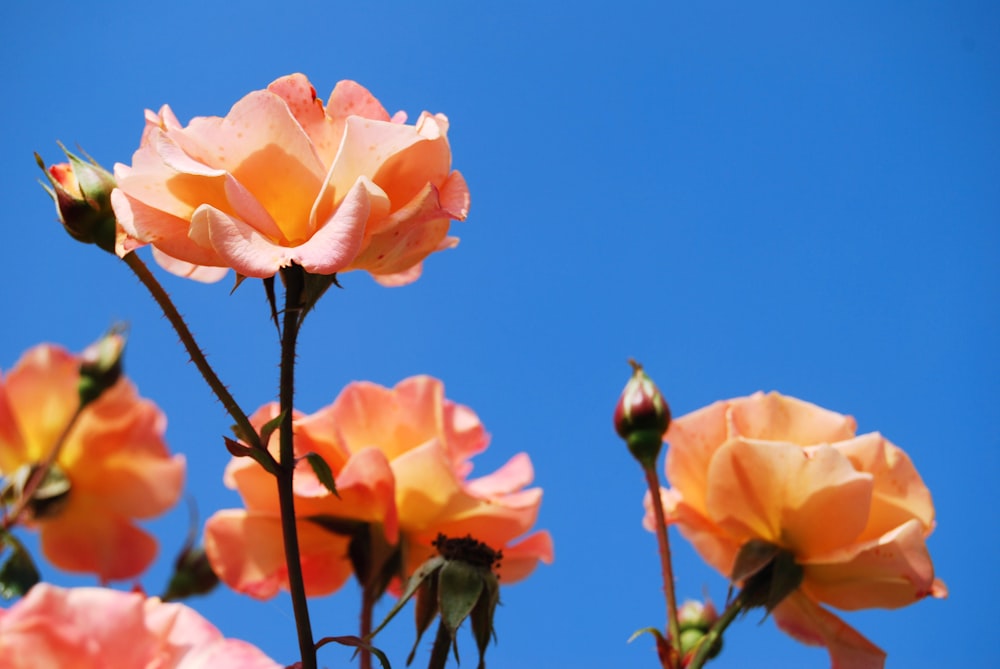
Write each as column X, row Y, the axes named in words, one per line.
column 851, row 509
column 400, row 457
column 114, row 459
column 283, row 179
column 94, row 628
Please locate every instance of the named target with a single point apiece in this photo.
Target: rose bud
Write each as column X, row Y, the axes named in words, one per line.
column 642, row 416
column 101, row 365
column 82, row 193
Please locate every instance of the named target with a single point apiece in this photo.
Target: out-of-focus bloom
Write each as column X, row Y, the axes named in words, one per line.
column 283, row 179
column 94, row 628
column 851, row 510
column 401, row 457
column 82, row 193
column 113, row 458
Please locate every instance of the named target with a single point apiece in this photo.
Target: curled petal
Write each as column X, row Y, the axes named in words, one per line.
column 521, row 558
column 892, row 571
column 776, row 492
column 804, row 620
column 776, row 417
column 86, row 539
column 246, row 551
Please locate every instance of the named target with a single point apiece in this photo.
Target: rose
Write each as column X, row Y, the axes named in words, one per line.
column 113, row 465
column 93, row 628
column 283, row 179
column 852, row 510
column 400, row 457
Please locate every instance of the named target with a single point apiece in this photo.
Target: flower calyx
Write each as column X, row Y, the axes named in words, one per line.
column 768, row 573
column 81, row 191
column 101, row 365
column 642, row 416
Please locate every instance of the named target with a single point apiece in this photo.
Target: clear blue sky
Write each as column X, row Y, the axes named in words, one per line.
column 792, row 196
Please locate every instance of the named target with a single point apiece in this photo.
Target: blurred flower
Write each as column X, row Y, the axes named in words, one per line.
column 113, row 466
column 82, row 193
column 851, row 511
column 94, row 628
column 283, row 179
column 400, row 457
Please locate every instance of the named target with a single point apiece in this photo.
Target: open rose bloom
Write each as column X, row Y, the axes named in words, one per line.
column 283, row 179
column 851, row 509
column 400, row 457
column 96, row 628
column 114, row 458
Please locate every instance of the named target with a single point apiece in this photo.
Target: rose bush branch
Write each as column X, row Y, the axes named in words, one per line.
column 641, row 418
column 244, row 430
column 291, row 320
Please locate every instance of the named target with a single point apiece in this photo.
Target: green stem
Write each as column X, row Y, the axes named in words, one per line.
column 294, row 280
column 715, row 634
column 244, row 429
column 442, row 645
column 37, row 477
column 673, row 627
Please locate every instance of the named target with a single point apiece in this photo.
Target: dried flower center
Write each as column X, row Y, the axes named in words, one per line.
column 469, row 550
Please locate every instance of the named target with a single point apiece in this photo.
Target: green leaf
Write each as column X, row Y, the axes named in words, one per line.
column 236, row 449
column 422, row 572
column 18, row 572
column 459, row 586
column 269, row 427
column 355, row 642
column 322, row 472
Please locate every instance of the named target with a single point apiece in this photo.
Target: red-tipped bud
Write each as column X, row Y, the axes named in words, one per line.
column 642, row 416
column 82, row 193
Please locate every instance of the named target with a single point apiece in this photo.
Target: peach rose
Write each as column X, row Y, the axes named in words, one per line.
column 114, row 458
column 96, row 628
column 851, row 509
column 400, row 457
column 283, row 179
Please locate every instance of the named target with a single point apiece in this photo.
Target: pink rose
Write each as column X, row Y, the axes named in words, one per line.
column 283, row 179
column 851, row 509
column 96, row 628
column 114, row 458
column 401, row 457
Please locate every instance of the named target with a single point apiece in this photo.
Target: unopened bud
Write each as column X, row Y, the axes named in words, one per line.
column 82, row 193
column 642, row 416
column 101, row 365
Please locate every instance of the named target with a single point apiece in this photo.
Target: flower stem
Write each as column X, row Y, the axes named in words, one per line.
column 715, row 634
column 439, row 651
column 244, row 429
column 367, row 608
column 37, row 477
column 294, row 280
column 673, row 627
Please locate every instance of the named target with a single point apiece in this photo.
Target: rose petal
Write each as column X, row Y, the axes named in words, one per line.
column 775, row 491
column 774, row 417
column 813, row 625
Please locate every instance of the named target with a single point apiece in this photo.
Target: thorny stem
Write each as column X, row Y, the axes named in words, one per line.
column 38, row 476
column 245, row 430
column 294, row 280
column 673, row 627
column 367, row 608
column 715, row 634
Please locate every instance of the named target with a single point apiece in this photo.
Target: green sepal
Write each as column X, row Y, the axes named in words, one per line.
column 269, row 427
column 323, row 472
column 18, row 573
column 313, row 288
column 481, row 617
column 425, row 609
column 422, row 572
column 753, row 556
column 768, row 572
column 459, row 586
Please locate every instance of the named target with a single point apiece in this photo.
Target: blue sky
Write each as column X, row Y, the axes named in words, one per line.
column 797, row 196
